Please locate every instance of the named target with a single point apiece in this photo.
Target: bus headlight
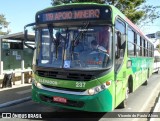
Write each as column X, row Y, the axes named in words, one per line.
column 99, row 88
column 103, row 86
column 91, row 91
column 37, row 84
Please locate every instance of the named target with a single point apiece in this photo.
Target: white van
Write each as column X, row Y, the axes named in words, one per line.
column 156, row 61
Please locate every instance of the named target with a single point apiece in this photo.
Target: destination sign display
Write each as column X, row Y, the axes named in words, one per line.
column 76, row 14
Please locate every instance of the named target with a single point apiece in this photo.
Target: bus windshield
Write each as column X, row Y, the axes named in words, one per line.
column 84, row 47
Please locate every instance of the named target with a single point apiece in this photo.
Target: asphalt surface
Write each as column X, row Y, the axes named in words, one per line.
column 15, row 94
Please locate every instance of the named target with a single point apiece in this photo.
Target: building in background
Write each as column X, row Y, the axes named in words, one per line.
column 155, row 37
column 15, row 58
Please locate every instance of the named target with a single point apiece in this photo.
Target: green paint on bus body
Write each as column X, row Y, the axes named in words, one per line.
column 73, row 84
column 142, row 69
column 101, row 102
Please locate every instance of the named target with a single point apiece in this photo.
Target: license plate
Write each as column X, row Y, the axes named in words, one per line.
column 60, row 99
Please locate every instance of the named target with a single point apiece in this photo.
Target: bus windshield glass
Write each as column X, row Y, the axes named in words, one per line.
column 86, row 47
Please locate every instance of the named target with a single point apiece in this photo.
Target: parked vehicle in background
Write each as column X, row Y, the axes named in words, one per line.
column 155, row 38
column 156, row 61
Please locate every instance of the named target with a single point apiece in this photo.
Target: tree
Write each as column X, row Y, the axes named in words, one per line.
column 3, row 24
column 58, row 2
column 135, row 10
column 151, row 14
column 130, row 8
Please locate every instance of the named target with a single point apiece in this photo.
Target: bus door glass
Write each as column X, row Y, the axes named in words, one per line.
column 120, row 45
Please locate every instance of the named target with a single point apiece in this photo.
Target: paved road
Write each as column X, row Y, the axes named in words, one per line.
column 142, row 100
column 14, row 94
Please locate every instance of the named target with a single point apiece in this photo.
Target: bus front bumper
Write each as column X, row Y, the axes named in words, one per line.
column 101, row 102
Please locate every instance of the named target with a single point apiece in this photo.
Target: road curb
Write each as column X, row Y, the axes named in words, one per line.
column 14, row 87
column 153, row 94
column 14, row 102
column 156, row 109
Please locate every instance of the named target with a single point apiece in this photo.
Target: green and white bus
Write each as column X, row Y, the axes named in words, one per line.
column 70, row 73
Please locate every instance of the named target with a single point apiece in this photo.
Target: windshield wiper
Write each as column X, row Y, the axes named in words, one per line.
column 76, row 40
column 81, row 32
column 52, row 39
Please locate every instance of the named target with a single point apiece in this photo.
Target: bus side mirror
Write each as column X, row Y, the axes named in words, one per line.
column 119, row 39
column 26, row 36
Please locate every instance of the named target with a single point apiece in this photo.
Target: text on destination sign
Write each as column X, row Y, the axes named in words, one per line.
column 76, row 14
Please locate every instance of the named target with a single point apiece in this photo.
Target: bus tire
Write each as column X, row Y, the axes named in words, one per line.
column 123, row 104
column 130, row 84
column 158, row 72
column 146, row 82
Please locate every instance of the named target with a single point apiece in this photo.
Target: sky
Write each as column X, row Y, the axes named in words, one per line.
column 152, row 27
column 22, row 12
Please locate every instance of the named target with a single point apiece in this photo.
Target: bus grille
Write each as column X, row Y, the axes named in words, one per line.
column 65, row 89
column 65, row 75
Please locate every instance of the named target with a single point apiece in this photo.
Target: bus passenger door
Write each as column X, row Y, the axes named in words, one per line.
column 120, row 71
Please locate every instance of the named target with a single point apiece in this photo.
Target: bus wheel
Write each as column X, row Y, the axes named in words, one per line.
column 123, row 104
column 158, row 72
column 145, row 83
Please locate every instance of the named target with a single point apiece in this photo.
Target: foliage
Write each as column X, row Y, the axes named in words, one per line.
column 135, row 10
column 130, row 9
column 151, row 14
column 3, row 24
column 58, row 2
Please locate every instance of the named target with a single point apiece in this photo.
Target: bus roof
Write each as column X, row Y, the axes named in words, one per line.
column 84, row 4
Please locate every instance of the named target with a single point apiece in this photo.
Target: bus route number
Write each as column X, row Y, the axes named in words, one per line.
column 80, row 84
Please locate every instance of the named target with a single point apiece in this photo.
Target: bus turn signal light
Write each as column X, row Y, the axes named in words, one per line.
column 108, row 83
